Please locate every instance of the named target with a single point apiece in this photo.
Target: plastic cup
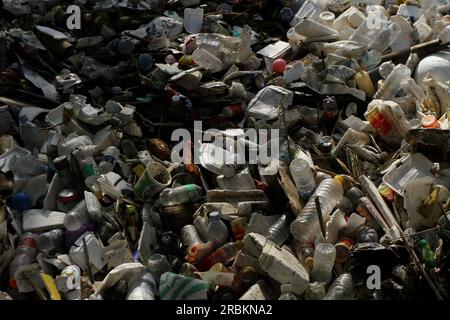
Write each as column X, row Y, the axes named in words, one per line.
column 154, row 179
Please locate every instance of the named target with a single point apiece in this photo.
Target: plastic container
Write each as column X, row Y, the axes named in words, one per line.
column 306, row 226
column 303, row 177
column 341, row 288
column 179, row 195
column 324, row 257
column 286, row 292
column 217, row 230
column 76, row 217
column 154, row 179
column 25, row 254
column 109, row 159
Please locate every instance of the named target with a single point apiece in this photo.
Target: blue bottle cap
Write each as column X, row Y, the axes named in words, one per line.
column 21, row 202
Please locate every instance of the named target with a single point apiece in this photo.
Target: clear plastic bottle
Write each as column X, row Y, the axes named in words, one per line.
column 179, row 195
column 76, row 217
column 286, row 292
column 303, row 177
column 393, row 82
column 324, row 257
column 279, row 231
column 109, row 159
column 141, row 286
column 51, row 240
column 217, row 230
column 306, row 225
column 25, row 254
column 341, row 289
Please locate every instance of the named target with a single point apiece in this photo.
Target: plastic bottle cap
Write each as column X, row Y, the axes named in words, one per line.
column 214, row 216
column 21, row 201
column 309, row 261
column 279, row 65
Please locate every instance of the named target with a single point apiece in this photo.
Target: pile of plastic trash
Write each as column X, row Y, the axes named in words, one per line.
column 225, row 150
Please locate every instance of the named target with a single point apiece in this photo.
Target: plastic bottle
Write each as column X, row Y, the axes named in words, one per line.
column 306, row 225
column 217, row 230
column 25, row 254
column 279, row 231
column 109, row 159
column 286, row 292
column 364, row 83
column 303, row 177
column 324, row 257
column 141, row 286
column 341, row 288
column 62, row 166
column 76, row 217
column 227, row 253
column 179, row 195
column 89, row 169
column 51, row 240
column 305, row 253
column 393, row 82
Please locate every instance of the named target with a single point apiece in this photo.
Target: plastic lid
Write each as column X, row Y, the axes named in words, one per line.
column 21, row 201
column 309, row 261
column 228, row 170
column 214, row 216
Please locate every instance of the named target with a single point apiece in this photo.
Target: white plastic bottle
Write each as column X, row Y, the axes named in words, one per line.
column 306, row 226
column 109, row 159
column 217, row 230
column 303, row 177
column 179, row 195
column 286, row 292
column 324, row 256
column 141, row 286
column 76, row 217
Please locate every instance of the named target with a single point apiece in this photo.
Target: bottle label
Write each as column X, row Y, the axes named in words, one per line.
column 88, row 170
column 28, row 242
column 108, row 158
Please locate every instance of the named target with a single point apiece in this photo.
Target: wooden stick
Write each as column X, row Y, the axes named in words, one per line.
column 319, row 214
